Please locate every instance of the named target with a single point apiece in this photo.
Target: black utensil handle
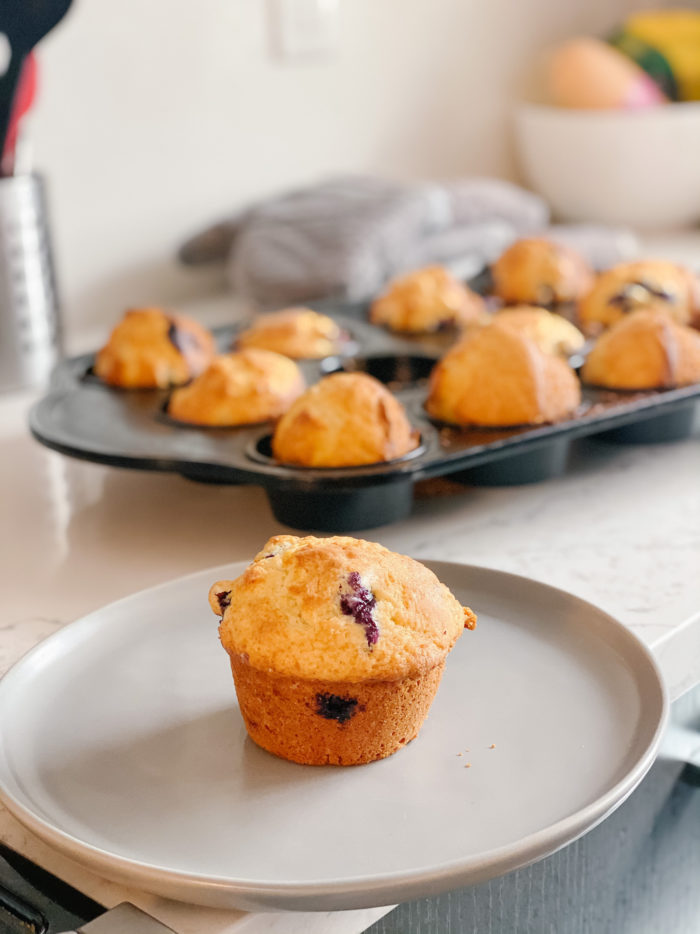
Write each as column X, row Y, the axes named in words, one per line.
column 31, row 894
column 22, row 912
column 8, row 92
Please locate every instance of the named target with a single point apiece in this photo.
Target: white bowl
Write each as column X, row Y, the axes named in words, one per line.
column 638, row 168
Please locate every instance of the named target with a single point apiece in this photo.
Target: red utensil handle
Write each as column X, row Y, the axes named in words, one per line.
column 22, row 103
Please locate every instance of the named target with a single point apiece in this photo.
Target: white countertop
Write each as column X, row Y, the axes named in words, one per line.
column 621, row 528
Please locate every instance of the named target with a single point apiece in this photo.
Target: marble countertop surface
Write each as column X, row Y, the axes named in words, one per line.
column 621, row 528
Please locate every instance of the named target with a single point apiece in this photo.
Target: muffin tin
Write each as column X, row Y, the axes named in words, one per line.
column 83, row 418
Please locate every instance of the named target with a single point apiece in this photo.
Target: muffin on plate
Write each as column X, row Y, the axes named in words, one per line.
column 426, row 300
column 300, row 333
column 154, row 349
column 345, row 420
column 499, row 377
column 645, row 350
column 631, row 286
column 537, row 271
column 239, row 389
column 337, row 647
column 550, row 331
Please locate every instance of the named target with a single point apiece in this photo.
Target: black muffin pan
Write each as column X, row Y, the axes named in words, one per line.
column 83, row 418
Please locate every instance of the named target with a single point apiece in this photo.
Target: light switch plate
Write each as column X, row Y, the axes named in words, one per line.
column 304, row 28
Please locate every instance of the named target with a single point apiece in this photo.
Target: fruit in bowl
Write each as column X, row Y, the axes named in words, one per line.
column 637, row 168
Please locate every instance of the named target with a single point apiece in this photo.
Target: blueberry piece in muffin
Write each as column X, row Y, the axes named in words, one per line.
column 333, row 707
column 633, row 286
column 360, row 603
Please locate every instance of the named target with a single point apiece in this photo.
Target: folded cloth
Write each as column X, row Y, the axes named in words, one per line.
column 340, row 238
column 465, row 250
column 346, row 236
column 602, row 246
column 480, row 199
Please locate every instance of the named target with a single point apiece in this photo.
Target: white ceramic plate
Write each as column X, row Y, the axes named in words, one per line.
column 122, row 746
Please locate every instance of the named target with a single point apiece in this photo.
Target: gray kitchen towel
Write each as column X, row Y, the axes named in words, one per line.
column 346, row 236
column 336, row 238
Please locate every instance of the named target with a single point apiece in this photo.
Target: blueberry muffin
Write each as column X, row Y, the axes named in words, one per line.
column 499, row 377
column 239, row 389
column 647, row 349
column 337, row 647
column 425, row 301
column 345, row 420
column 641, row 284
column 550, row 331
column 299, row 333
column 154, row 349
column 536, row 271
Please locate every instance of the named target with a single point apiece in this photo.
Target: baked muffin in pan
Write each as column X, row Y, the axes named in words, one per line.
column 345, row 420
column 647, row 349
column 537, row 271
column 641, row 284
column 425, row 301
column 239, row 388
column 550, row 331
column 300, row 333
column 154, row 349
column 499, row 377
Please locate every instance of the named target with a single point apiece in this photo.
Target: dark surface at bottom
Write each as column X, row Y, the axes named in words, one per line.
column 636, row 873
column 671, row 426
column 33, row 901
column 534, row 466
column 202, row 476
column 343, row 510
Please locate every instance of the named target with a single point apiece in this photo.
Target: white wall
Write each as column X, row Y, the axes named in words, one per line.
column 157, row 116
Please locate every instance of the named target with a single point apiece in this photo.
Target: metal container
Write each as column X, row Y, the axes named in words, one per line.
column 29, row 328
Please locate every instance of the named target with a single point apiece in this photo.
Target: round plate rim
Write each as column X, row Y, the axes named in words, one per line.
column 357, row 891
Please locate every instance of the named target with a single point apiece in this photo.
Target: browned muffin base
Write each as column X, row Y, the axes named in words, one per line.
column 332, row 722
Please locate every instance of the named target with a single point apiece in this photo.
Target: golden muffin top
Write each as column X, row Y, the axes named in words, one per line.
column 300, row 333
column 239, row 389
column 426, row 300
column 499, row 377
column 550, row 331
column 337, row 609
column 641, row 284
column 345, row 420
column 151, row 348
column 647, row 349
column 537, row 271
